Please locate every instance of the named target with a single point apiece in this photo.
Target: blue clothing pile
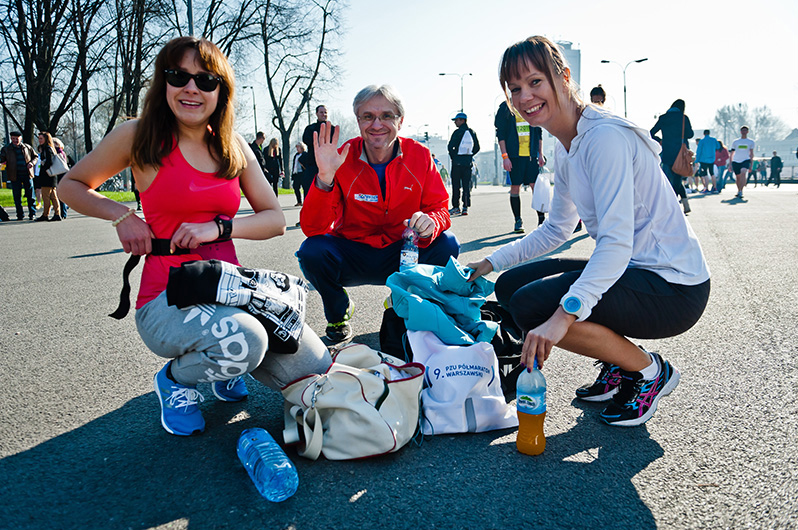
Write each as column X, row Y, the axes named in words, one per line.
column 442, row 300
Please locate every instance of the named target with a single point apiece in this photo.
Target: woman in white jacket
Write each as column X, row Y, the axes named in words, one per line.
column 647, row 277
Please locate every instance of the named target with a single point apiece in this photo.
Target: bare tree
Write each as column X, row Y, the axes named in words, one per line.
column 138, row 33
column 92, row 44
column 729, row 119
column 228, row 24
column 35, row 33
column 767, row 126
column 763, row 124
column 298, row 54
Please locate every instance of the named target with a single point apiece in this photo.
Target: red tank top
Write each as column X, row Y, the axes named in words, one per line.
column 181, row 194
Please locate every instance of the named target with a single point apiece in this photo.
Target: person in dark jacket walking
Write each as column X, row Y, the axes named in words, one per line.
column 274, row 164
column 670, row 124
column 776, row 166
column 20, row 158
column 462, row 147
column 311, row 169
column 257, row 148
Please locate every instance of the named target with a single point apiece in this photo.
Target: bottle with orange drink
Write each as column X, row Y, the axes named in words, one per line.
column 531, row 406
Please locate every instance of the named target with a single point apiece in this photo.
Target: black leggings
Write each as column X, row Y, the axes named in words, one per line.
column 677, row 182
column 641, row 304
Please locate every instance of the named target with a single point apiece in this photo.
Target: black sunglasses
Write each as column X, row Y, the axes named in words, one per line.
column 179, row 78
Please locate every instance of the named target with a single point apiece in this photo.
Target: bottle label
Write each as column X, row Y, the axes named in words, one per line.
column 408, row 258
column 531, row 403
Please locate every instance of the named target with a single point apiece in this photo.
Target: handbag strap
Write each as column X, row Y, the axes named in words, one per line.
column 314, row 433
column 681, row 138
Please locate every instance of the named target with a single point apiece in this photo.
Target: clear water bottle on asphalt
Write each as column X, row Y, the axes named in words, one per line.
column 409, row 256
column 267, row 464
column 531, row 405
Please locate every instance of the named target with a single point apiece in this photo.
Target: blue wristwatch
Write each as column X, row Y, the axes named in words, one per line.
column 573, row 306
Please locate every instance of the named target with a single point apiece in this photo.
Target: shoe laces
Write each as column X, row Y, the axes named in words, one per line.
column 231, row 383
column 606, row 371
column 628, row 390
column 185, row 397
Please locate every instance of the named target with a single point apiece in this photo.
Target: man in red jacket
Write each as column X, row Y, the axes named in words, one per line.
column 364, row 197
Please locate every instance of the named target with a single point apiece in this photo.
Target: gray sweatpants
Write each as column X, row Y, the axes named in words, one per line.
column 212, row 342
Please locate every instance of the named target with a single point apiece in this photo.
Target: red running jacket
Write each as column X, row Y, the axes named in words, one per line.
column 354, row 209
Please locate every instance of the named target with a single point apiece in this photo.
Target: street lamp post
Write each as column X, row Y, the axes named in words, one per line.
column 190, row 16
column 624, row 77
column 254, row 107
column 461, row 86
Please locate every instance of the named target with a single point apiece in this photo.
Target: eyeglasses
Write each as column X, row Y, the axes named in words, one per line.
column 385, row 117
column 179, row 79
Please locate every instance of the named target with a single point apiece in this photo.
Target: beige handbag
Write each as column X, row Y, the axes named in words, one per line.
column 365, row 404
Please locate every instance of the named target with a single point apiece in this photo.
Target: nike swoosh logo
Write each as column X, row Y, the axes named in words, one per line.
column 195, row 186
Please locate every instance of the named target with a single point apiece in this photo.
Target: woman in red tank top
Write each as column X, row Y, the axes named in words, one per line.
column 189, row 165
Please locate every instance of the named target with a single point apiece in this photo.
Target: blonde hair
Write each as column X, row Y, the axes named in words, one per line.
column 274, row 147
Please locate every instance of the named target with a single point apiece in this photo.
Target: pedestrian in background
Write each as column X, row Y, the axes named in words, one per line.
column 311, row 169
column 257, row 150
column 705, row 156
column 48, row 182
column 742, row 158
column 776, row 166
column 763, row 169
column 298, row 173
column 598, row 96
column 721, row 165
column 59, row 148
column 273, row 160
column 676, row 130
column 463, row 145
column 20, row 159
column 520, row 147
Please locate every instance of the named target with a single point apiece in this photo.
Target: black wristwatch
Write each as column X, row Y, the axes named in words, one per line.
column 225, row 227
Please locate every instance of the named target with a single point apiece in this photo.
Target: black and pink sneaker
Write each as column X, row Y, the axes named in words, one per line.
column 605, row 386
column 637, row 398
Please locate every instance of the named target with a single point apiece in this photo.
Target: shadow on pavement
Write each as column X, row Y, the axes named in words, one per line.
column 124, row 471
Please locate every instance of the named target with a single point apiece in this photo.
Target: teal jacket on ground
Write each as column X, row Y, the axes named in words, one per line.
column 441, row 300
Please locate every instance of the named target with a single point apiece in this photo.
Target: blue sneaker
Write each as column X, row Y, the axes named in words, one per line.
column 180, row 414
column 637, row 398
column 233, row 390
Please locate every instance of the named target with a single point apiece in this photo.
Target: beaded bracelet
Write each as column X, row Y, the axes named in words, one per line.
column 122, row 217
column 505, row 155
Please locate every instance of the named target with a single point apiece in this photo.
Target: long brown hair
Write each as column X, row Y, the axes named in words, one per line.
column 541, row 53
column 155, row 135
column 48, row 141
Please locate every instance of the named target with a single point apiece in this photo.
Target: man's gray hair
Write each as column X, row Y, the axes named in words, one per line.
column 386, row 91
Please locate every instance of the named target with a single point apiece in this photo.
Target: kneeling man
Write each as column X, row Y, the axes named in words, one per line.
column 365, row 194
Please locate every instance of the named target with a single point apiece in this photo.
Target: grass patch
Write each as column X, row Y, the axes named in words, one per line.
column 7, row 199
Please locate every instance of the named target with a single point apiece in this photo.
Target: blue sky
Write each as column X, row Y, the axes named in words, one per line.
column 707, row 53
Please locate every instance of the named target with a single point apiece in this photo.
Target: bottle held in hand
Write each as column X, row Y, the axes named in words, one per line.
column 409, row 256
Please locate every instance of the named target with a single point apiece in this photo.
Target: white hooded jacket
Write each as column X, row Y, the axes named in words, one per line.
column 612, row 180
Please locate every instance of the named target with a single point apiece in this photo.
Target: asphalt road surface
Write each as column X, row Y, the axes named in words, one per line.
column 81, row 446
